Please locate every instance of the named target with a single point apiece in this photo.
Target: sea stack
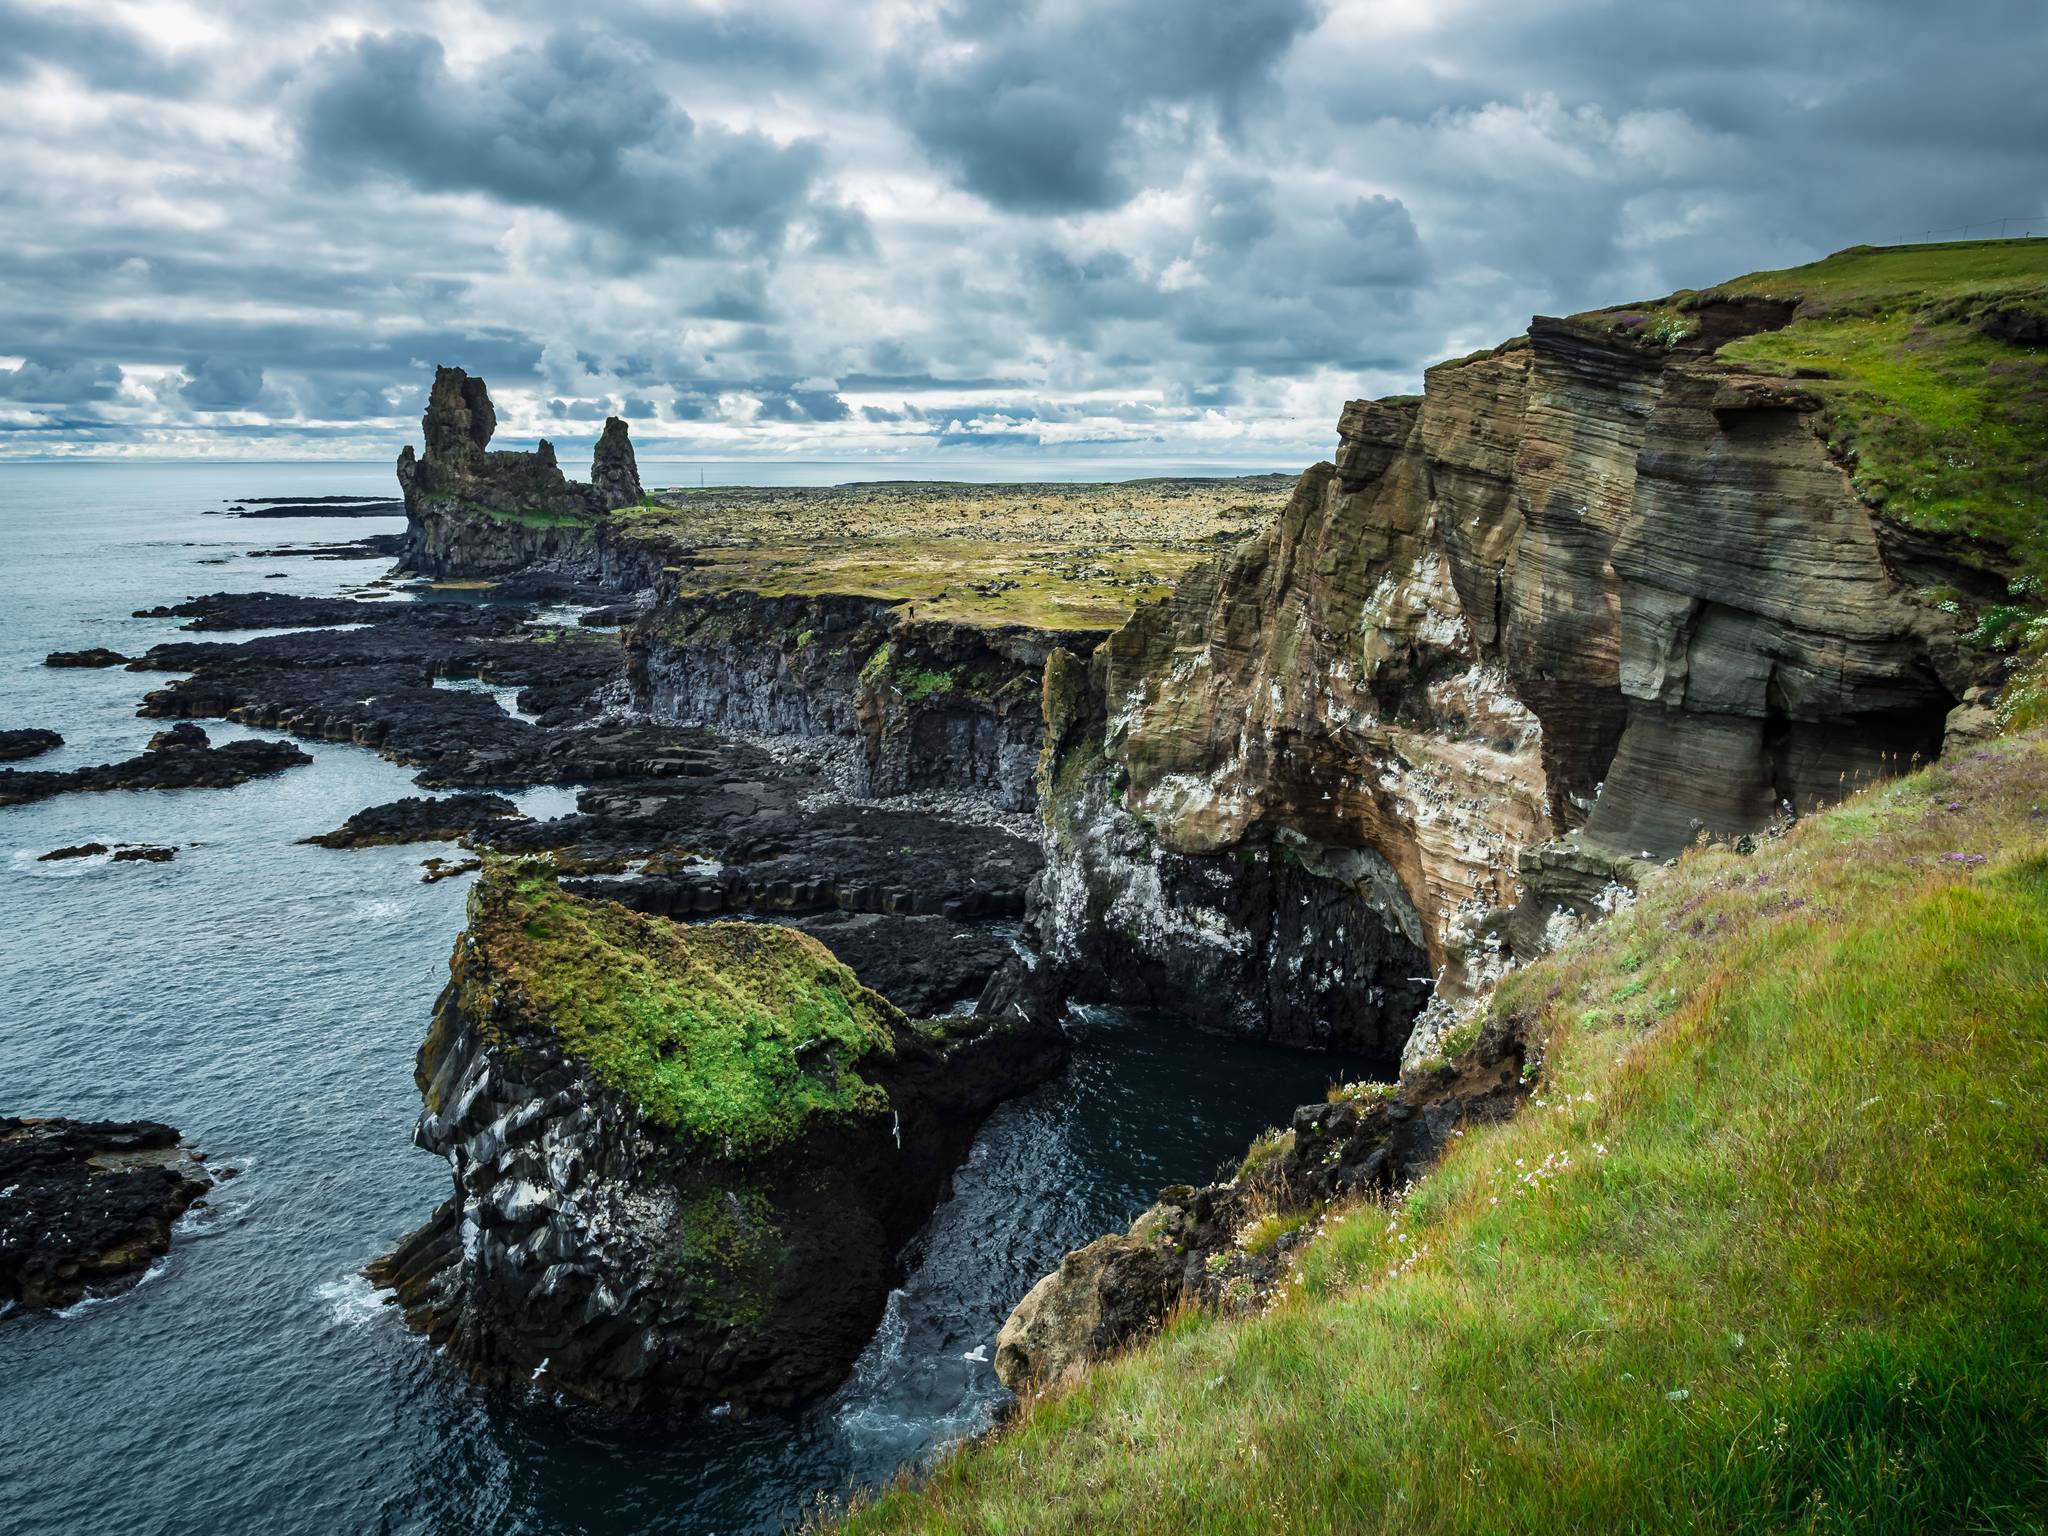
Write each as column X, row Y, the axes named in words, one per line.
column 684, row 1157
column 475, row 511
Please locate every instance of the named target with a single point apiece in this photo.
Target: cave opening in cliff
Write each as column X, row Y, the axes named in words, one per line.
column 1817, row 763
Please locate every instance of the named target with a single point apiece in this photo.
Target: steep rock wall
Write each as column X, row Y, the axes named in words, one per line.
column 910, row 706
column 1586, row 588
column 662, row 1265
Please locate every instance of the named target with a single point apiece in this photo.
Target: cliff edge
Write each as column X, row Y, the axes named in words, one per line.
column 684, row 1157
column 1638, row 578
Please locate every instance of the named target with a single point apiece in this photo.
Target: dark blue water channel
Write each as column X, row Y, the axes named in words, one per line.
column 267, row 997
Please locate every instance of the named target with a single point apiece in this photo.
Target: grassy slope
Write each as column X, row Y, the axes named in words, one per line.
column 1944, row 427
column 1768, row 1252
column 700, row 1025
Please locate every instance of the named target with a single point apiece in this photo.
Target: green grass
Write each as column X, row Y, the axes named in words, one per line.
column 1767, row 1250
column 1881, row 274
column 1260, row 1235
column 738, row 1033
column 523, row 517
column 1942, row 426
column 920, row 685
column 728, row 1247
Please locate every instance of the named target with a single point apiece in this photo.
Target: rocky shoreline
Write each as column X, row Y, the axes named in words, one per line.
column 181, row 757
column 1324, row 793
column 87, row 1205
column 18, row 744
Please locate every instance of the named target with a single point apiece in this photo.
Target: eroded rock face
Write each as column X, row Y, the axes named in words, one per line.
column 1584, row 586
column 614, row 472
column 472, row 511
column 912, row 706
column 702, row 1225
column 85, row 1205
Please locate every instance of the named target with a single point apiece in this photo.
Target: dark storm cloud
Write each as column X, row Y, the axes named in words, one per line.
column 920, row 381
column 1038, row 115
column 1380, row 248
column 212, row 344
column 803, row 405
column 73, row 39
column 1281, row 290
column 578, row 126
column 580, row 410
column 692, row 405
column 743, row 37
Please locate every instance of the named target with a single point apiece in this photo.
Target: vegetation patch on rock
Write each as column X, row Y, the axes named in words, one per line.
column 740, row 1033
column 1939, row 408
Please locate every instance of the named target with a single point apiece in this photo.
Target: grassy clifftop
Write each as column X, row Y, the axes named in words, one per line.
column 1942, row 414
column 1768, row 1251
column 1058, row 557
column 739, row 1033
column 1931, row 363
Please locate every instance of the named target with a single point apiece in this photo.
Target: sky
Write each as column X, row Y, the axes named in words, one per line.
column 1119, row 230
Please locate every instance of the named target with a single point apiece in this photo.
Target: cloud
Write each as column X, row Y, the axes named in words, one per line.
column 109, row 56
column 1044, row 108
column 221, row 384
column 68, row 382
column 798, row 404
column 577, row 126
column 1128, row 228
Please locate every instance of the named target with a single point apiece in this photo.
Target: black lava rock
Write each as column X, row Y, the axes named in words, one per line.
column 86, row 1204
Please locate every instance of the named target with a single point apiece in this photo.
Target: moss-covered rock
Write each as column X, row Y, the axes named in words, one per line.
column 737, row 1034
column 684, row 1158
column 473, row 511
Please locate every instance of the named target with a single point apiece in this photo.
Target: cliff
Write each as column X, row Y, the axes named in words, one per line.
column 474, row 511
column 1761, row 1252
column 905, row 705
column 1632, row 580
column 684, row 1158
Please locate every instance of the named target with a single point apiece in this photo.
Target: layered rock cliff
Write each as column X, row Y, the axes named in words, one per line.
column 909, row 705
column 1592, row 596
column 684, row 1159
